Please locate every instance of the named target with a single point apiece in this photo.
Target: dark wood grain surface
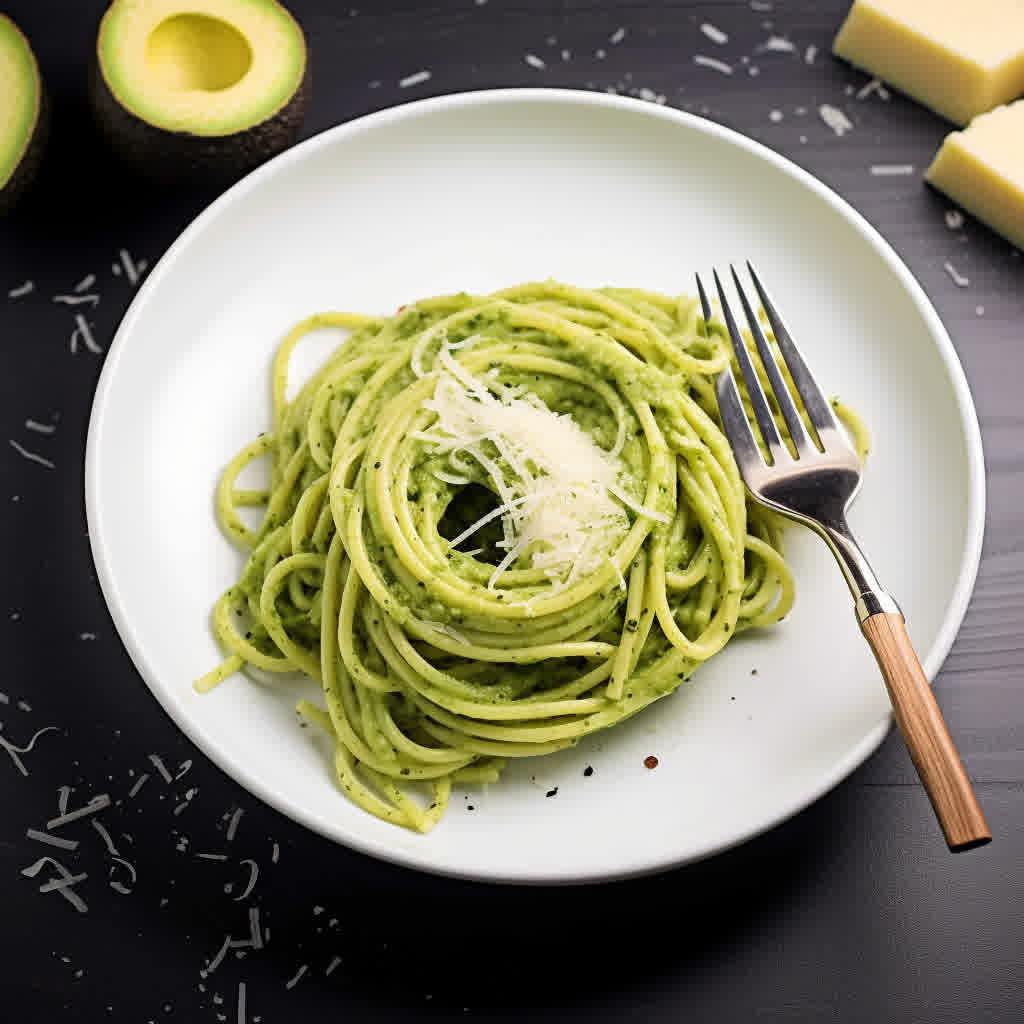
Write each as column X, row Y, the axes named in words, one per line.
column 852, row 911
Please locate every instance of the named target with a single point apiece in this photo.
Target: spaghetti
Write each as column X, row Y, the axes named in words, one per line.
column 494, row 525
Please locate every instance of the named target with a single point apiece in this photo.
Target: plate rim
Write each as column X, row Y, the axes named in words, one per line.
column 402, row 856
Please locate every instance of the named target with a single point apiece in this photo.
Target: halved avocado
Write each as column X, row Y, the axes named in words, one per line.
column 200, row 90
column 22, row 120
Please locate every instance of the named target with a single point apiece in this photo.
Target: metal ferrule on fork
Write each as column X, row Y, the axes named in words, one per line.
column 869, row 597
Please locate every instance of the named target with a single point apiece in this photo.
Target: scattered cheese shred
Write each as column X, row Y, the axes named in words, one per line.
column 416, row 78
column 835, row 119
column 297, row 976
column 45, row 837
column 159, row 765
column 31, row 456
column 957, row 278
column 890, row 170
column 874, row 85
column 254, row 873
column 714, row 33
column 713, row 63
column 255, row 935
column 776, row 44
column 132, row 268
column 139, row 783
column 233, row 824
column 14, row 751
column 216, row 961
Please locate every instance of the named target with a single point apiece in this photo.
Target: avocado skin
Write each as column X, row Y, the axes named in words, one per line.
column 24, row 174
column 180, row 158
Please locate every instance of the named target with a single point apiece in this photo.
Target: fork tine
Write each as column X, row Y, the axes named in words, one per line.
column 730, row 406
column 819, row 411
column 782, row 396
column 705, row 306
column 757, row 397
column 736, row 425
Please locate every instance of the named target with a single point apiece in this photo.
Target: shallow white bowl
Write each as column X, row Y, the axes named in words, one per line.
column 475, row 192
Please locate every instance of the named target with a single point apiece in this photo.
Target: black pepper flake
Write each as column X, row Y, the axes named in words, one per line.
column 470, row 807
column 753, row 671
column 552, row 792
column 588, row 771
column 376, row 465
column 651, row 762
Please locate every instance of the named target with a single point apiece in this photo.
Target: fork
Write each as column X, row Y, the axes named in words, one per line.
column 814, row 484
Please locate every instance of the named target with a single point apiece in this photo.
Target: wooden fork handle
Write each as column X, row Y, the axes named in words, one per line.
column 925, row 733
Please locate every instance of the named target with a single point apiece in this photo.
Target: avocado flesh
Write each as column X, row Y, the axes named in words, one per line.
column 20, row 113
column 200, row 89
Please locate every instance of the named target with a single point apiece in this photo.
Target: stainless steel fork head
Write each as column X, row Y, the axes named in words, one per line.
column 814, row 486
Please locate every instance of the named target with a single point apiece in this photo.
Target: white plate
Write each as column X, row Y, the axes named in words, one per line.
column 474, row 192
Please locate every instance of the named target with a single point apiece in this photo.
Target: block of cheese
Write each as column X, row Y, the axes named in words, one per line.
column 959, row 57
column 982, row 169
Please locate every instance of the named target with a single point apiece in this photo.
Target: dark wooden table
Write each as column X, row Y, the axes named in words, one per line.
column 852, row 911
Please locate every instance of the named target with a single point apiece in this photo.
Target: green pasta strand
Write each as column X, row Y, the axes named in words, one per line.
column 440, row 660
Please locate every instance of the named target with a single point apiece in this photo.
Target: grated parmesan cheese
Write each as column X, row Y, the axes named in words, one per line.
column 960, row 280
column 236, row 817
column 713, row 63
column 297, row 977
column 561, row 503
column 835, row 119
column 416, row 78
column 891, row 170
column 714, row 33
column 159, row 765
column 31, row 456
column 776, row 44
